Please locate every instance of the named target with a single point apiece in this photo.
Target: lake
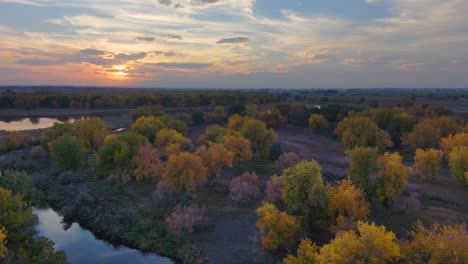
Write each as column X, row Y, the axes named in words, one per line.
column 32, row 123
column 81, row 246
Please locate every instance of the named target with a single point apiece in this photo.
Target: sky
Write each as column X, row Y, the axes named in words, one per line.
column 235, row 43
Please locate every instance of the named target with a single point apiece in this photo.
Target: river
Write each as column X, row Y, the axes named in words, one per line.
column 81, row 246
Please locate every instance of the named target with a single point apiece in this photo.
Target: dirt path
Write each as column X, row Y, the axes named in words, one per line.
column 326, row 151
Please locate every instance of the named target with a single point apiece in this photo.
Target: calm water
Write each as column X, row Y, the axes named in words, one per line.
column 32, row 123
column 81, row 246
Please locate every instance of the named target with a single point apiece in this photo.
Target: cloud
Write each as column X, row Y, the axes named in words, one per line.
column 148, row 39
column 177, row 65
column 171, row 36
column 235, row 40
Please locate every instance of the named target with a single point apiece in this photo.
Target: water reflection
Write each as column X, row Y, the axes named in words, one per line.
column 32, row 123
column 81, row 246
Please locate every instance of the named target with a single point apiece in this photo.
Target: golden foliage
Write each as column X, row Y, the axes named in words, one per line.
column 166, row 137
column 307, row 253
column 278, row 227
column 318, row 123
column 457, row 140
column 184, row 171
column 371, row 244
column 239, row 146
column 92, row 131
column 392, row 176
column 429, row 132
column 361, row 131
column 215, row 157
column 437, row 244
column 148, row 126
column 347, row 205
column 427, row 163
column 3, row 236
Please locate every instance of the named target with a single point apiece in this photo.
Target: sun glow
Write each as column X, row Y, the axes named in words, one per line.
column 119, row 72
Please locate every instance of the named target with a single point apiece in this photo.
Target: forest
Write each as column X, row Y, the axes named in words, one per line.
column 242, row 178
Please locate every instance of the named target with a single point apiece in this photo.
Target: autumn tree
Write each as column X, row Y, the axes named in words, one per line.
column 92, row 131
column 239, row 146
column 437, row 244
column 3, row 236
column 429, row 132
column 244, row 188
column 363, row 162
column 304, row 190
column 148, row 126
column 318, row 123
column 307, row 253
column 69, row 152
column 215, row 157
column 392, row 177
column 148, row 163
column 116, row 154
column 447, row 144
column 184, row 171
column 166, row 137
column 427, row 163
column 251, row 110
column 458, row 163
column 212, row 134
column 370, row 244
column 254, row 130
column 273, row 118
column 217, row 116
column 279, row 229
column 346, row 206
column 360, row 131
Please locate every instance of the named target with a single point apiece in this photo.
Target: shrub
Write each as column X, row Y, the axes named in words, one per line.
column 286, row 160
column 274, row 189
column 244, row 188
column 190, row 255
column 162, row 195
column 69, row 152
column 186, row 219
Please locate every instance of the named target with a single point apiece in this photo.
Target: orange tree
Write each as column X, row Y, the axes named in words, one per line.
column 427, row 163
column 215, row 157
column 184, row 171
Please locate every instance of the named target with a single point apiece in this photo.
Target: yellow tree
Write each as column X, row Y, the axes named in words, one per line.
column 458, row 163
column 279, row 228
column 166, row 137
column 429, row 132
column 427, row 163
column 239, row 146
column 184, row 171
column 457, row 140
column 392, row 177
column 361, row 131
column 371, row 244
column 346, row 205
column 215, row 157
column 307, row 253
column 3, row 236
column 318, row 123
column 148, row 126
column 437, row 244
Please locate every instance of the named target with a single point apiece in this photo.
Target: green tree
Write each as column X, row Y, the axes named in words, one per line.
column 458, row 163
column 69, row 152
column 363, row 162
column 54, row 132
column 304, row 190
column 92, row 131
column 116, row 154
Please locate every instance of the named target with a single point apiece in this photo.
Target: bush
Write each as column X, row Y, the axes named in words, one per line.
column 244, row 188
column 274, row 189
column 286, row 160
column 186, row 219
column 162, row 195
column 190, row 255
column 69, row 152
